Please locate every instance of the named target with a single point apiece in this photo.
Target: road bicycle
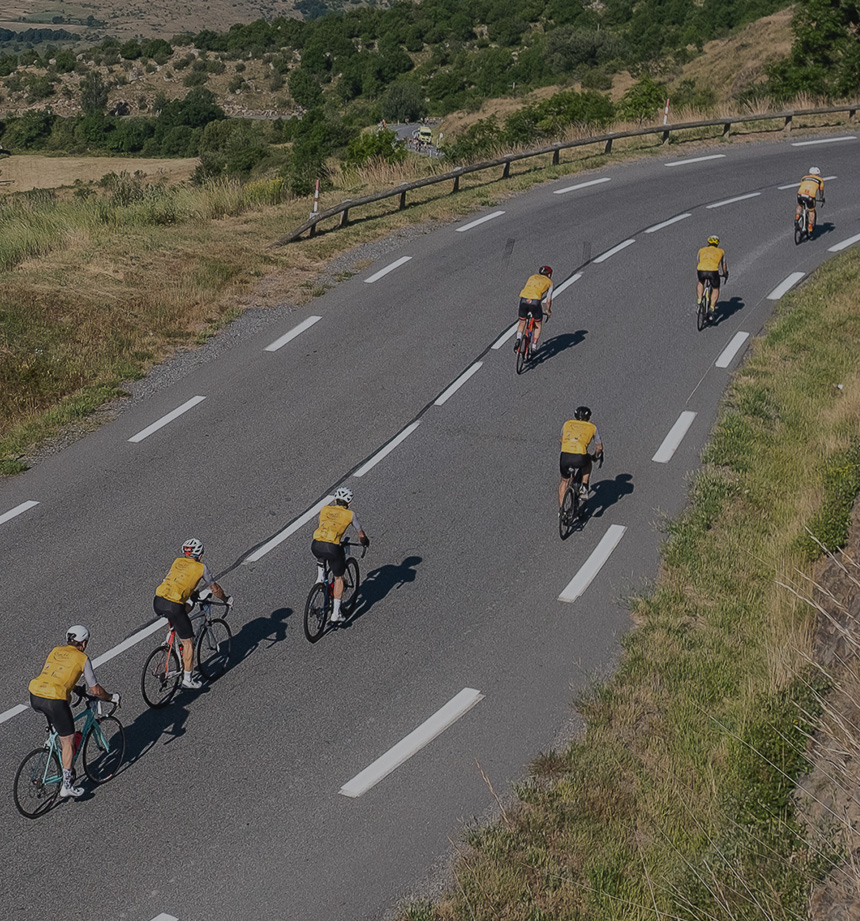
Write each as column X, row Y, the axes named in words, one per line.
column 100, row 741
column 803, row 228
column 572, row 510
column 320, row 601
column 163, row 669
column 524, row 347
column 704, row 313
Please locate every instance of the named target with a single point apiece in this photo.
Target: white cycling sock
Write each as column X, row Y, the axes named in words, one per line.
column 337, row 605
column 187, row 675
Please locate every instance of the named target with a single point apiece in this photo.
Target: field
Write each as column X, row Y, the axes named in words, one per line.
column 34, row 172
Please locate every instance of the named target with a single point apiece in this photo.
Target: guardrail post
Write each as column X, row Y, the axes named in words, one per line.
column 402, row 200
column 507, row 170
column 607, row 147
column 556, row 152
column 313, row 232
column 665, row 137
column 456, row 184
column 787, row 126
column 344, row 218
column 727, row 127
column 851, row 114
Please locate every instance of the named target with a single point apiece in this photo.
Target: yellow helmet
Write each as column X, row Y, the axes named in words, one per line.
column 713, row 241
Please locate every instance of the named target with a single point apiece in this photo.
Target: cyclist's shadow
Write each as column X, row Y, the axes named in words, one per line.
column 607, row 492
column 823, row 227
column 380, row 581
column 271, row 630
column 726, row 309
column 550, row 348
column 152, row 725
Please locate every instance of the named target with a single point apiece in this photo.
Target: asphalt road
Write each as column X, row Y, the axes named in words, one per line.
column 229, row 803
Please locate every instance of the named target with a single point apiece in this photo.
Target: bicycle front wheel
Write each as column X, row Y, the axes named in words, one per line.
column 161, row 676
column 566, row 513
column 351, row 579
column 315, row 613
column 104, row 749
column 213, row 649
column 702, row 312
column 523, row 354
column 37, row 783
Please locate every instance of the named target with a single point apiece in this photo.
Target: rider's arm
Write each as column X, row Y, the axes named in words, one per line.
column 725, row 267
column 548, row 301
column 217, row 591
column 365, row 540
column 95, row 688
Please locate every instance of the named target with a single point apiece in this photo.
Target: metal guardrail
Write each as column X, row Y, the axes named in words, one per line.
column 555, row 149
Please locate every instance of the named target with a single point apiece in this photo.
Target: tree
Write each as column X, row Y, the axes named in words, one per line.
column 375, row 145
column 94, row 93
column 305, row 89
column 642, row 100
column 403, row 101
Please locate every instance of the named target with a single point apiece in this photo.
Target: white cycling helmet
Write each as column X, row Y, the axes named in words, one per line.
column 814, row 171
column 193, row 547
column 343, row 494
column 77, row 634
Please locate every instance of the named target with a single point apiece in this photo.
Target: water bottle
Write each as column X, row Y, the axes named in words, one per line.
column 78, row 737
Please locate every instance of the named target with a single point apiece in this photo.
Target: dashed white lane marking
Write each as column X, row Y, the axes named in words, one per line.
column 295, row 331
column 580, row 185
column 481, row 220
column 380, row 455
column 592, row 566
column 672, row 220
column 695, row 160
column 279, row 538
column 731, row 201
column 844, row 244
column 18, row 510
column 164, row 420
column 13, row 711
column 674, row 438
column 164, row 917
column 850, row 137
column 615, row 249
column 794, row 185
column 566, row 284
column 389, row 268
column 784, row 286
column 447, row 394
column 728, row 353
column 133, row 640
column 505, row 336
column 413, row 743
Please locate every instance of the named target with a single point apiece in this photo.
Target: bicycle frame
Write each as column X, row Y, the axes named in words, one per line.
column 54, row 746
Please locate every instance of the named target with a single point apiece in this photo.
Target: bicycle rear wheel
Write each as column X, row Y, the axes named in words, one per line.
column 799, row 224
column 104, row 749
column 523, row 353
column 213, row 648
column 315, row 613
column 702, row 311
column 567, row 513
column 37, row 783
column 351, row 580
column 161, row 676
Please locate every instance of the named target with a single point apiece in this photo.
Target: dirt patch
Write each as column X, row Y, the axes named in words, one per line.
column 34, row 172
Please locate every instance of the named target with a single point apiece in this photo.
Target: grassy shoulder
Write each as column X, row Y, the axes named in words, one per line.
column 677, row 802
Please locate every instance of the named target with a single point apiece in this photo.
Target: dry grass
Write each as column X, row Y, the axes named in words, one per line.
column 30, row 171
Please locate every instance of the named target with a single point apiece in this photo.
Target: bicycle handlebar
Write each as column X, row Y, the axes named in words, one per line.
column 82, row 694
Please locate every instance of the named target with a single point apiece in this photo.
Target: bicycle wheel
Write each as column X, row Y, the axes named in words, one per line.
column 37, row 782
column 351, row 580
column 213, row 649
column 161, row 676
column 567, row 513
column 798, row 230
column 702, row 311
column 104, row 748
column 315, row 613
column 523, row 353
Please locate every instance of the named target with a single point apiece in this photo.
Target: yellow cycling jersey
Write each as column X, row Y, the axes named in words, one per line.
column 576, row 436
column 182, row 579
column 811, row 186
column 710, row 258
column 536, row 287
column 63, row 669
column 334, row 520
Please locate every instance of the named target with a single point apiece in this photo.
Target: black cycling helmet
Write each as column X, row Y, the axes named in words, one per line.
column 583, row 413
column 545, row 270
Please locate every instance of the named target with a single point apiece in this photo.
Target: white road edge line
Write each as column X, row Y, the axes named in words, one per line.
column 447, row 394
column 389, row 268
column 731, row 201
column 581, row 185
column 13, row 711
column 728, row 353
column 850, row 137
column 676, row 435
column 592, row 566
column 844, row 244
column 615, row 249
column 505, row 336
column 133, row 640
column 458, row 706
column 281, row 536
column 381, row 455
column 672, row 220
column 164, row 420
column 695, row 160
column 18, row 510
column 481, row 220
column 784, row 286
column 295, row 331
column 794, row 185
column 566, row 284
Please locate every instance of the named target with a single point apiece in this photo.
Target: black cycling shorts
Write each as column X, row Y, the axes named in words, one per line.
column 577, row 461
column 530, row 306
column 807, row 200
column 176, row 615
column 58, row 712
column 713, row 277
column 334, row 554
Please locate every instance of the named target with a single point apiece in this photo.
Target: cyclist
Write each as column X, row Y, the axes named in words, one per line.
column 180, row 583
column 577, row 436
column 712, row 262
column 536, row 294
column 811, row 187
column 326, row 543
column 51, row 692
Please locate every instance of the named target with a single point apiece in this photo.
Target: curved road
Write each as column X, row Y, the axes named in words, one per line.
column 251, row 798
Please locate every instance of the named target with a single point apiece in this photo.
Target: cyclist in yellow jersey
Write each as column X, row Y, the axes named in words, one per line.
column 712, row 262
column 536, row 295
column 51, row 692
column 326, row 544
column 811, row 188
column 180, row 583
column 578, row 435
